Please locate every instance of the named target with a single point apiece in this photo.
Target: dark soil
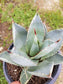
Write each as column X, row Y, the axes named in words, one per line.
column 37, row 80
column 15, row 71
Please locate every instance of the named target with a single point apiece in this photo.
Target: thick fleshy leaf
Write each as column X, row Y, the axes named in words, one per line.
column 45, row 29
column 46, row 43
column 44, row 69
column 48, row 51
column 22, row 59
column 40, row 32
column 57, row 59
column 55, row 34
column 23, row 48
column 25, row 77
column 5, row 56
column 35, row 47
column 19, row 35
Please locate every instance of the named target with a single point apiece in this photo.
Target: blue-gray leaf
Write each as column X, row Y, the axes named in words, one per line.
column 40, row 32
column 44, row 69
column 55, row 34
column 48, row 51
column 22, row 59
column 35, row 47
column 25, row 77
column 57, row 59
column 5, row 56
column 19, row 35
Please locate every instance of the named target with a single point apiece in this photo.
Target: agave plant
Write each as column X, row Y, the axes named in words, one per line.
column 36, row 50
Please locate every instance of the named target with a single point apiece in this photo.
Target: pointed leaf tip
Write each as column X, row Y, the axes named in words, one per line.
column 44, row 23
column 8, row 51
column 55, row 34
column 19, row 35
column 34, row 31
column 37, row 14
column 49, row 76
column 58, row 40
column 12, row 21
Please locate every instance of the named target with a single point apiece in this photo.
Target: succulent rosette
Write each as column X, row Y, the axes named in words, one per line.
column 36, row 50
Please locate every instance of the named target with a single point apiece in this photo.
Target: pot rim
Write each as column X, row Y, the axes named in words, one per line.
column 50, row 81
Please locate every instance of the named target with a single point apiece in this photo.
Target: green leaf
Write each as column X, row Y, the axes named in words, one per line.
column 5, row 56
column 44, row 69
column 19, row 35
column 48, row 51
column 55, row 34
column 22, row 59
column 35, row 47
column 25, row 77
column 57, row 59
column 40, row 32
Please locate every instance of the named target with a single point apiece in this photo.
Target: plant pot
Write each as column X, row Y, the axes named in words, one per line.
column 55, row 74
